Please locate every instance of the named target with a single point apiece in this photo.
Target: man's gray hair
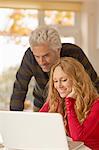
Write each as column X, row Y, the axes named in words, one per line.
column 47, row 35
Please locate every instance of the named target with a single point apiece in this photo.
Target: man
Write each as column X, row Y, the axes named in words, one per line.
column 45, row 49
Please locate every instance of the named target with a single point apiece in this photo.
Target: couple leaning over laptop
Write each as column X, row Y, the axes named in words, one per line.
column 73, row 84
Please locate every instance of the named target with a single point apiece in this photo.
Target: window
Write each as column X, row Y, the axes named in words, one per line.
column 63, row 18
column 66, row 22
column 15, row 27
column 67, row 40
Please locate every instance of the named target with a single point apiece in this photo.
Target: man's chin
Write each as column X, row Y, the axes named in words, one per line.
column 46, row 69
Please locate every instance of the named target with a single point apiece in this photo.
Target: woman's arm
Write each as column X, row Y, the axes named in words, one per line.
column 80, row 131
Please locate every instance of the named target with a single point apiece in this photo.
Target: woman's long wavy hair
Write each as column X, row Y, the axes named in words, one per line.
column 82, row 84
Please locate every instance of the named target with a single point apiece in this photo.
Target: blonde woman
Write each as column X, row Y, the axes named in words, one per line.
column 71, row 93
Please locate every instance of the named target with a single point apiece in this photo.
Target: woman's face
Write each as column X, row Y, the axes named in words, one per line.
column 62, row 83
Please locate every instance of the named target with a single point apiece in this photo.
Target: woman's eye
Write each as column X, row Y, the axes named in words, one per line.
column 64, row 80
column 55, row 81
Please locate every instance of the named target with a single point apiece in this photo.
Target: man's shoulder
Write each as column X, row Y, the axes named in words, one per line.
column 29, row 55
column 69, row 48
column 72, row 50
column 29, row 62
column 28, row 51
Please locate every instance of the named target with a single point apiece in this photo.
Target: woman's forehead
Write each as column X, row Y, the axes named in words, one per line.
column 58, row 72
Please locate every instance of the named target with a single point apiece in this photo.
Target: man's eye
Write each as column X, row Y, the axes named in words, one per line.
column 37, row 57
column 46, row 56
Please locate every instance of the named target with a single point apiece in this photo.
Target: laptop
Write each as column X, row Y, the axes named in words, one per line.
column 32, row 131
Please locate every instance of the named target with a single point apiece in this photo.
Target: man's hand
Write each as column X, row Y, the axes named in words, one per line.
column 35, row 109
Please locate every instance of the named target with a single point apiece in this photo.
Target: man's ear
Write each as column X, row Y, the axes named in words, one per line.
column 59, row 50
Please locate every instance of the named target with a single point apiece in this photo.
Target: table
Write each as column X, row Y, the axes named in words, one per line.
column 70, row 143
column 77, row 146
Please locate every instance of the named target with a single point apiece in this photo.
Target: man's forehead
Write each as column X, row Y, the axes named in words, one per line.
column 42, row 49
column 46, row 44
column 41, row 52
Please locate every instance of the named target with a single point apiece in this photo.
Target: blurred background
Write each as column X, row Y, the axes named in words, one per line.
column 77, row 22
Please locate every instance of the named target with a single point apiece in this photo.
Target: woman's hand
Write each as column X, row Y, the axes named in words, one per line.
column 72, row 94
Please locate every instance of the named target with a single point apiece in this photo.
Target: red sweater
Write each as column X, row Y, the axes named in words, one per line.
column 88, row 131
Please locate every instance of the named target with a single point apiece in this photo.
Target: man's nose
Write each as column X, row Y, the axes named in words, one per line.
column 41, row 60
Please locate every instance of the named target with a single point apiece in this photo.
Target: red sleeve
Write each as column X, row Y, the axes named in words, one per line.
column 45, row 107
column 81, row 131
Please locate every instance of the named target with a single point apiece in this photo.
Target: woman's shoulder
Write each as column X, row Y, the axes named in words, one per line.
column 96, row 101
column 95, row 104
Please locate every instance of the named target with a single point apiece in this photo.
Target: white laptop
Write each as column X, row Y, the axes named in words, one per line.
column 32, row 131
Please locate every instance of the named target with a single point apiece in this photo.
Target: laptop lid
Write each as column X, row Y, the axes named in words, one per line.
column 33, row 130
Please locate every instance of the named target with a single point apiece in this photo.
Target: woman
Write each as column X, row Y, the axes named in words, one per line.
column 72, row 94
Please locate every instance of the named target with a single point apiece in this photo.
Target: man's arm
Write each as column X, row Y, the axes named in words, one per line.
column 40, row 93
column 23, row 78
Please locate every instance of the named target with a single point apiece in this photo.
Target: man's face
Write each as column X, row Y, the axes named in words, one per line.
column 45, row 56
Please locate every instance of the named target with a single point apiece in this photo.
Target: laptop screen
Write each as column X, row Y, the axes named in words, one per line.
column 33, row 130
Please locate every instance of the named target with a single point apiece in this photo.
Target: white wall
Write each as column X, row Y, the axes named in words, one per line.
column 89, row 26
column 97, row 35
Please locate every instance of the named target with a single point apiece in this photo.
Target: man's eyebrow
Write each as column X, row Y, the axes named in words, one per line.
column 42, row 55
column 46, row 54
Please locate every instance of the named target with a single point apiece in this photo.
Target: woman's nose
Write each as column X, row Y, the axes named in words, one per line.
column 60, row 84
